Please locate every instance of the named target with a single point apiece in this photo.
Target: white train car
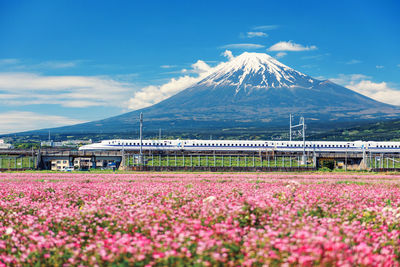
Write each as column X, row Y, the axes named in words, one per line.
column 245, row 145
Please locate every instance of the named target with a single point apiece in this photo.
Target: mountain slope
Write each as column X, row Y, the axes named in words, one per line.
column 252, row 89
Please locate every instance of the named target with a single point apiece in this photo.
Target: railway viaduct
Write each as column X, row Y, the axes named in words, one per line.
column 216, row 161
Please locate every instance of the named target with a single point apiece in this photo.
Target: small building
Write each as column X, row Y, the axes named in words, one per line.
column 87, row 163
column 60, row 165
column 4, row 145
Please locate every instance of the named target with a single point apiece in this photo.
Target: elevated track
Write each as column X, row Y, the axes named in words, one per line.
column 201, row 161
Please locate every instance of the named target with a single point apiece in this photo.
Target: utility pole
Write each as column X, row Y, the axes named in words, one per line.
column 303, row 125
column 290, row 128
column 304, row 138
column 141, row 137
column 159, row 134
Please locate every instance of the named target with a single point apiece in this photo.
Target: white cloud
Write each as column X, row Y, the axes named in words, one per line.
column 281, row 54
column 242, row 46
column 379, row 66
column 68, row 91
column 8, row 61
column 23, row 65
column 228, row 54
column 353, row 61
column 362, row 84
column 265, row 27
column 290, row 46
column 55, row 64
column 167, row 66
column 256, row 34
column 18, row 121
column 151, row 95
column 200, row 67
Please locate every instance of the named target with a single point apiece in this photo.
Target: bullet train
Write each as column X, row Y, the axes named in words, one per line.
column 246, row 146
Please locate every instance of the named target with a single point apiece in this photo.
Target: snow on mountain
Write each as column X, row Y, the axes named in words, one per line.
column 256, row 71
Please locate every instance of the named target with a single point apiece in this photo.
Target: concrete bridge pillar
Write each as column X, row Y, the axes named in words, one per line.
column 93, row 162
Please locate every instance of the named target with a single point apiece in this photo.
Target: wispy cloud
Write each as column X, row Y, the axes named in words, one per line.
column 56, row 64
column 69, row 91
column 290, row 46
column 153, row 94
column 8, row 61
column 364, row 85
column 353, row 61
column 379, row 66
column 167, row 66
column 265, row 27
column 19, row 121
column 281, row 54
column 256, row 34
column 13, row 64
column 242, row 46
column 316, row 57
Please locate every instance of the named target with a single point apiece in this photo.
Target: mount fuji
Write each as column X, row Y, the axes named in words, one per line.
column 250, row 90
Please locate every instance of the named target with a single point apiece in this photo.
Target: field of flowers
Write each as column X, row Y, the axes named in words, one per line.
column 199, row 219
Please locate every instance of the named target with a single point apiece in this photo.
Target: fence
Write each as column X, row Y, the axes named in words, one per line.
column 382, row 161
column 212, row 160
column 17, row 162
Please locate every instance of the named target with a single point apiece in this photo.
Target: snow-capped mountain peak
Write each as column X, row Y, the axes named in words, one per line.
column 256, row 70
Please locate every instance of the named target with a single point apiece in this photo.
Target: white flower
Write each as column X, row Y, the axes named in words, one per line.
column 9, row 231
column 209, row 199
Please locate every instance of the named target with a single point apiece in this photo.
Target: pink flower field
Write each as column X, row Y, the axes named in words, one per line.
column 159, row 219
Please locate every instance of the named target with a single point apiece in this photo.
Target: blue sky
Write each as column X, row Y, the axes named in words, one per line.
column 63, row 62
